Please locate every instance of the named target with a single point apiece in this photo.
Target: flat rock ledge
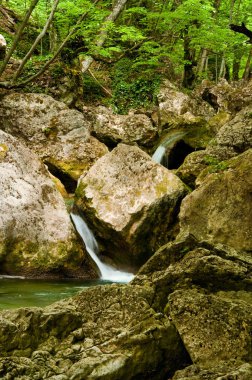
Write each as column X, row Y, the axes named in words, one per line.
column 186, row 315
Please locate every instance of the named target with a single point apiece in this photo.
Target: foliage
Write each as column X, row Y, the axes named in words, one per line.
column 146, row 36
column 215, row 165
column 132, row 88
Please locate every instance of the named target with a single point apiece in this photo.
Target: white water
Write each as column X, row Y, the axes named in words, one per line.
column 107, row 272
column 159, row 153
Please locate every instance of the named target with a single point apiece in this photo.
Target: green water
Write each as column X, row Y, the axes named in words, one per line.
column 15, row 292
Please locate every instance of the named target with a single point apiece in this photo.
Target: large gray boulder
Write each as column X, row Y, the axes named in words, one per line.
column 225, row 97
column 131, row 201
column 220, row 209
column 205, row 289
column 232, row 138
column 176, row 108
column 214, row 327
column 36, row 234
column 129, row 129
column 59, row 135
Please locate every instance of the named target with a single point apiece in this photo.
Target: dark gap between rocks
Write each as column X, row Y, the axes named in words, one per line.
column 69, row 183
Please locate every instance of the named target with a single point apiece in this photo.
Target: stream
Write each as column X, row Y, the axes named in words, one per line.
column 17, row 292
column 20, row 292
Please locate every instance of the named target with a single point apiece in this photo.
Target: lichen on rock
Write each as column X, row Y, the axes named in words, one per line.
column 36, row 235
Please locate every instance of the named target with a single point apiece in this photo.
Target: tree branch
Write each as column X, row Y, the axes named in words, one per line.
column 38, row 39
column 18, row 35
column 85, row 64
column 243, row 30
column 48, row 63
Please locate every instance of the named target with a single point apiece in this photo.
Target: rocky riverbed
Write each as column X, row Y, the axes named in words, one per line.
column 186, row 232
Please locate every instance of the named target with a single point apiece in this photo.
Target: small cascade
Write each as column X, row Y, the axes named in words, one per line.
column 107, row 272
column 160, row 154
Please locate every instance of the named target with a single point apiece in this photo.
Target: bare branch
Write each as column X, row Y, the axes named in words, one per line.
column 38, row 39
column 85, row 64
column 18, row 35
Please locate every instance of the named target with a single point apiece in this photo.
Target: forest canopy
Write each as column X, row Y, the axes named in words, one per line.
column 183, row 40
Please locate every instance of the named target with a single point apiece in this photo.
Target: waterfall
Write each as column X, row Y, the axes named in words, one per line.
column 107, row 272
column 159, row 155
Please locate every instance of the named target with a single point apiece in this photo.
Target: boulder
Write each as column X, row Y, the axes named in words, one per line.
column 188, row 263
column 214, row 327
column 224, row 96
column 37, row 238
column 129, row 129
column 220, row 209
column 177, row 108
column 192, row 166
column 179, row 112
column 59, row 135
column 107, row 332
column 131, row 201
column 228, row 370
column 208, row 288
column 234, row 137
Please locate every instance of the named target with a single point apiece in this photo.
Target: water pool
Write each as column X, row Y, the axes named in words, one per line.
column 17, row 292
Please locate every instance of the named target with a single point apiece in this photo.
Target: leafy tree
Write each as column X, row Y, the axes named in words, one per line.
column 185, row 39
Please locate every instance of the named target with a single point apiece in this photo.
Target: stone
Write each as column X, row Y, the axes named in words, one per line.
column 37, row 238
column 187, row 263
column 213, row 327
column 123, row 337
column 234, row 137
column 132, row 203
column 177, row 108
column 129, row 129
column 220, row 209
column 192, row 166
column 227, row 371
column 223, row 96
column 59, row 135
column 208, row 287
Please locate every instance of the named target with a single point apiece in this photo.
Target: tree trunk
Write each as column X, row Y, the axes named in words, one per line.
column 237, row 63
column 222, row 71
column 37, row 40
column 247, row 71
column 202, row 62
column 189, row 57
column 117, row 9
column 53, row 38
column 18, row 35
column 48, row 63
